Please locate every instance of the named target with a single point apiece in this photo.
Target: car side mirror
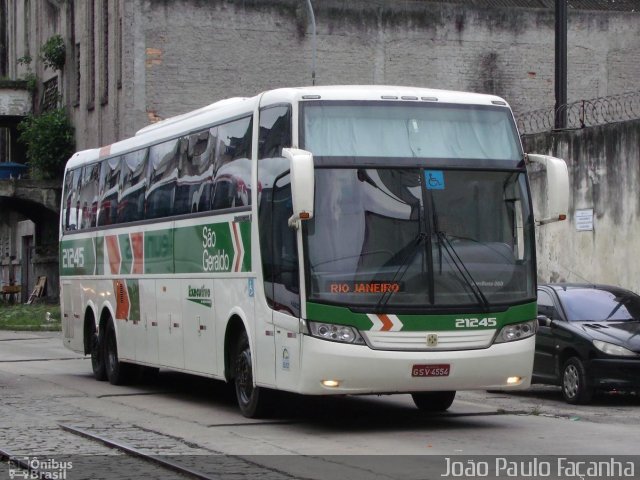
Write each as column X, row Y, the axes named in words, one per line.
column 544, row 321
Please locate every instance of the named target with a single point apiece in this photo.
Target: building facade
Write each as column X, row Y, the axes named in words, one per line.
column 129, row 63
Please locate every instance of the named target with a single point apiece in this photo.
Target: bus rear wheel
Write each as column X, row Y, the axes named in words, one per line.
column 97, row 358
column 253, row 401
column 117, row 371
column 433, row 401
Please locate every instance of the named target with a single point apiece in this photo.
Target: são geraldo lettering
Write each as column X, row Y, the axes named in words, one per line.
column 216, row 260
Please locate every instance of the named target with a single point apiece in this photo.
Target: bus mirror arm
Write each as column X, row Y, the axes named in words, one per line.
column 302, row 184
column 557, row 183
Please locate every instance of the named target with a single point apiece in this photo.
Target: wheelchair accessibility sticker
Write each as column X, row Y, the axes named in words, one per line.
column 434, row 179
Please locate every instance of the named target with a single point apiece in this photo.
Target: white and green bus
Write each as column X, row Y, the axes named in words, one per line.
column 321, row 240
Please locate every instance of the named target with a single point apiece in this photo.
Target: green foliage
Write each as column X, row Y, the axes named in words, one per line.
column 53, row 53
column 25, row 60
column 30, row 77
column 32, row 81
column 49, row 139
column 29, row 317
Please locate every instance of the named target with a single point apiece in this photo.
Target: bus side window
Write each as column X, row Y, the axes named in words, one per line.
column 109, row 182
column 181, row 202
column 277, row 241
column 70, row 207
column 161, row 179
column 132, row 187
column 193, row 190
column 205, row 161
column 89, row 195
column 232, row 166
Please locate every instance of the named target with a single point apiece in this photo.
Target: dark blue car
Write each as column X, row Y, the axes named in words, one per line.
column 588, row 339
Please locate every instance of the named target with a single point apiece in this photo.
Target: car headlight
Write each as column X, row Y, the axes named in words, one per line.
column 613, row 349
column 516, row 331
column 335, row 333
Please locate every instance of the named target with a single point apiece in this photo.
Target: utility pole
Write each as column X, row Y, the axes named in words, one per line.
column 561, row 64
column 313, row 42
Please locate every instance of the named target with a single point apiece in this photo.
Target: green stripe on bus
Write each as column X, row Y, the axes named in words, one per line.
column 209, row 248
column 133, row 289
column 417, row 323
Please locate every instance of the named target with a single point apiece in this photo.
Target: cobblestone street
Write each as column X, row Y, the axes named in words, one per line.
column 47, row 392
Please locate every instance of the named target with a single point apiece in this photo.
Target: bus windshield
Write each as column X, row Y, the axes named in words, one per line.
column 392, row 237
column 409, row 130
column 389, row 235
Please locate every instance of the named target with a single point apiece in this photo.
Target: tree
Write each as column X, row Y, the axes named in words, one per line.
column 49, row 141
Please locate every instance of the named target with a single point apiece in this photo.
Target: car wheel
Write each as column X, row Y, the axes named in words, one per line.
column 253, row 401
column 97, row 358
column 433, row 401
column 575, row 389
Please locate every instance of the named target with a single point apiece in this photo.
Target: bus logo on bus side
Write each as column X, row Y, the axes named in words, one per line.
column 200, row 295
column 218, row 261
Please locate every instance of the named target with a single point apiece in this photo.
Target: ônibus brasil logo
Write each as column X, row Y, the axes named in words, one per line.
column 200, row 295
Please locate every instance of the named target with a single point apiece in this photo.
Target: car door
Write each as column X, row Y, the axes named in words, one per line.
column 544, row 361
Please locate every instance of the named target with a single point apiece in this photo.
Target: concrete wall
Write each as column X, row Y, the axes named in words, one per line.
column 187, row 53
column 604, row 171
column 166, row 57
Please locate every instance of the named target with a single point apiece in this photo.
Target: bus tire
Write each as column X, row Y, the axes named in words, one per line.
column 433, row 401
column 253, row 401
column 97, row 358
column 117, row 371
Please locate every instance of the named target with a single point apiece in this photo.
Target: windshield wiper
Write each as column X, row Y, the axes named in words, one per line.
column 623, row 300
column 412, row 248
column 443, row 240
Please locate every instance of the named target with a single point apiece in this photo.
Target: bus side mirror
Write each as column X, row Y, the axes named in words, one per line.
column 302, row 184
column 557, row 180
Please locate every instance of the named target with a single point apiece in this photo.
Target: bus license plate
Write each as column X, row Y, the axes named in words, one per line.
column 438, row 370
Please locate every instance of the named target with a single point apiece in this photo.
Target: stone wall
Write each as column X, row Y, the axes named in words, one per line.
column 604, row 172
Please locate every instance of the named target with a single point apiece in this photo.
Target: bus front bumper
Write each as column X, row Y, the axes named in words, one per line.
column 357, row 369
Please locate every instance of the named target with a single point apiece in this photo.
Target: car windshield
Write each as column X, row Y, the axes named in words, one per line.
column 600, row 305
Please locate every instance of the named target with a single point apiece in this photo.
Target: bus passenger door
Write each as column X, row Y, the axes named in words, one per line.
column 285, row 286
column 170, row 324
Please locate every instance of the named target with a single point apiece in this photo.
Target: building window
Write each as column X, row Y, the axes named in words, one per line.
column 118, row 48
column 91, row 60
column 76, row 100
column 104, row 65
column 27, row 27
column 50, row 94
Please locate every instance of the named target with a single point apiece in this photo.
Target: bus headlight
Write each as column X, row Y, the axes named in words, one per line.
column 335, row 333
column 516, row 331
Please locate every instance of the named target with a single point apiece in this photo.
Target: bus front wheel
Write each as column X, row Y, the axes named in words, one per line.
column 253, row 401
column 433, row 401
